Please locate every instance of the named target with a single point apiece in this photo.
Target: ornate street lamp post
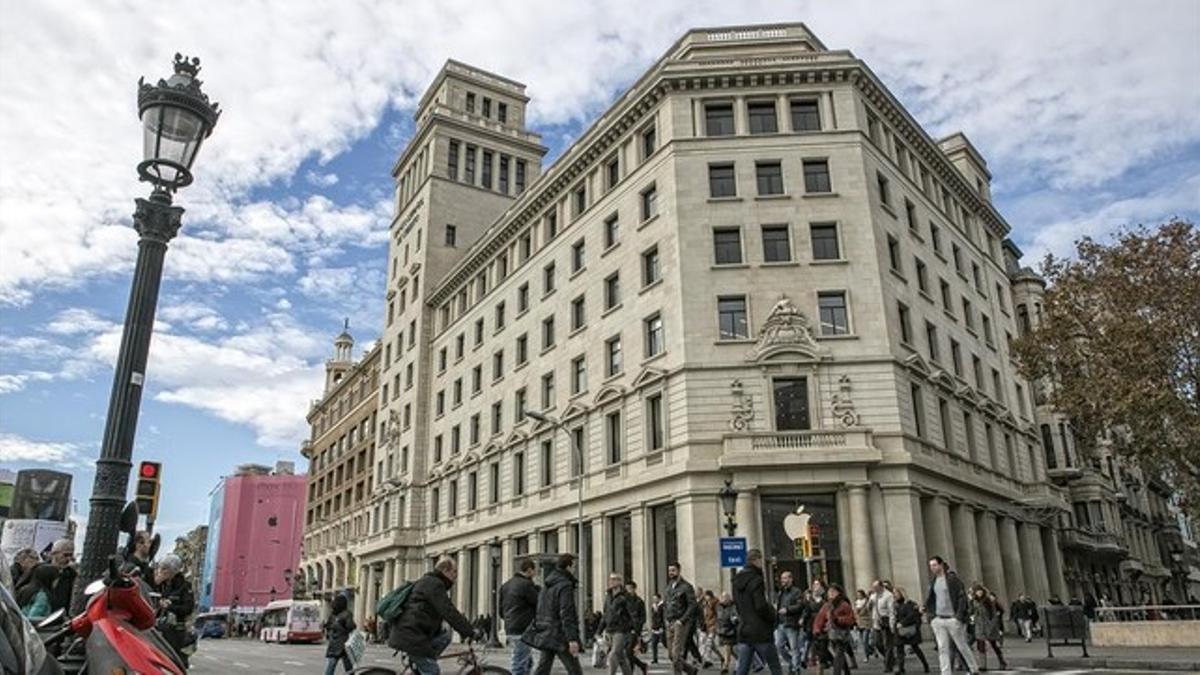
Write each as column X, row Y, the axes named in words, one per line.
column 176, row 118
column 729, row 496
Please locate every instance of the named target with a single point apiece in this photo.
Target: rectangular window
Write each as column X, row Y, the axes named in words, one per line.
column 612, row 350
column 777, row 245
column 655, row 435
column 905, row 325
column 578, row 255
column 931, row 337
column 547, row 463
column 519, row 179
column 649, row 141
column 977, row 371
column 548, row 332
column 650, row 270
column 500, row 315
column 498, row 365
column 487, row 107
column 522, row 349
column 503, row 176
column 977, row 276
column 613, row 431
column 894, row 255
column 649, row 203
column 578, row 374
column 474, row 429
column 612, row 291
column 470, row 102
column 459, row 344
column 727, row 246
column 477, row 379
column 494, row 483
column 578, row 313
column 457, row 391
column 579, row 199
column 497, row 417
column 935, row 238
column 440, row 405
column 791, row 403
column 718, row 119
column 548, row 400
column 435, row 505
column 721, row 181
column 969, row 432
column 451, row 235
column 437, row 449
column 518, row 473
column 947, row 303
column 885, row 191
column 910, row 215
column 469, row 170
column 452, row 161
column 455, row 439
column 611, row 230
column 816, row 176
column 922, row 276
column 956, row 255
column 612, row 172
column 956, row 357
column 834, row 317
column 769, row 176
column 654, row 335
column 987, row 330
column 548, row 279
column 478, row 332
column 918, row 403
column 520, row 400
column 501, row 112
column 944, row 420
column 522, row 298
column 762, row 117
column 805, row 116
column 577, row 452
column 731, row 318
column 825, row 241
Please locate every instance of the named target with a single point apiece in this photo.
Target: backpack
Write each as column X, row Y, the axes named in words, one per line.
column 391, row 606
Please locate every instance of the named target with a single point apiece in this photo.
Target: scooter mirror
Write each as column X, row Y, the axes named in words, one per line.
column 52, row 619
column 94, row 587
column 129, row 519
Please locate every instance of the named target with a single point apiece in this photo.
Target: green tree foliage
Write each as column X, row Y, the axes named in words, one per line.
column 1118, row 348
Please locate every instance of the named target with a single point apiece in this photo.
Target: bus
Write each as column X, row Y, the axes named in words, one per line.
column 211, row 624
column 291, row 621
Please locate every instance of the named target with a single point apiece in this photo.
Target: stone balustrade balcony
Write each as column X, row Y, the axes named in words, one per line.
column 1100, row 541
column 816, row 447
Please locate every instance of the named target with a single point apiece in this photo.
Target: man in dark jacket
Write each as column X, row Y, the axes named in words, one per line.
column 555, row 629
column 638, row 607
column 679, row 610
column 657, row 627
column 789, row 641
column 518, row 605
column 756, row 617
column 946, row 603
column 418, row 632
column 175, row 604
column 338, row 628
column 62, row 556
column 617, row 622
column 1024, row 612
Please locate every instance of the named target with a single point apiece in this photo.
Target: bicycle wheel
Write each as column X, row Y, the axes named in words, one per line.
column 484, row 670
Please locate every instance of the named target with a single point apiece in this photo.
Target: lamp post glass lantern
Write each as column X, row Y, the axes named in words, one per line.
column 729, row 496
column 176, row 119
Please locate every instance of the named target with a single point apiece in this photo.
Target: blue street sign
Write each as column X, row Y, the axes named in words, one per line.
column 733, row 551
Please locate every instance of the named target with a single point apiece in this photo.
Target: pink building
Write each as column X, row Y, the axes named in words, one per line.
column 256, row 522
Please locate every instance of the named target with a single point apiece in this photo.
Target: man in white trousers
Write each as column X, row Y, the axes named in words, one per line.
column 946, row 605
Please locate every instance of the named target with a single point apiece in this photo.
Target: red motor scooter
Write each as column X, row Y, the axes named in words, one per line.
column 117, row 629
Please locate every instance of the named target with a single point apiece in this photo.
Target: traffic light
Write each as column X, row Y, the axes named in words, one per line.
column 149, row 475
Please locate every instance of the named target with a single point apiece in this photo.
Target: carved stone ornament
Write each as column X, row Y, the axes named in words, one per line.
column 785, row 330
column 743, row 407
column 393, row 428
column 843, row 405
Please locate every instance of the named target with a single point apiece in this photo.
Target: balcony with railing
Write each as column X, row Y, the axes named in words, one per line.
column 1098, row 541
column 768, row 448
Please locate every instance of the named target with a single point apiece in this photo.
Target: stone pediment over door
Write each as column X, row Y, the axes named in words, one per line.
column 785, row 335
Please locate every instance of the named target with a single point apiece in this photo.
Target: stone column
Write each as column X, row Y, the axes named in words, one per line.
column 641, row 548
column 902, row 507
column 1054, row 563
column 389, row 576
column 863, row 557
column 366, row 581
column 825, row 108
column 598, row 561
column 989, row 556
column 936, row 512
column 741, row 120
column 748, row 521
column 966, row 547
column 1010, row 555
column 1035, row 567
column 880, row 528
column 698, row 520
column 508, row 551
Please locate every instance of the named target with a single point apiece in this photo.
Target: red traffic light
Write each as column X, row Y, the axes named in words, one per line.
column 149, row 470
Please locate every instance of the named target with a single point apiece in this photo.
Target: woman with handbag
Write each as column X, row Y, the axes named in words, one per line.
column 907, row 621
column 988, row 617
column 833, row 624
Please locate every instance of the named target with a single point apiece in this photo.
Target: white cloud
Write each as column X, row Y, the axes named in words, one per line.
column 321, row 179
column 15, row 448
column 195, row 315
column 78, row 321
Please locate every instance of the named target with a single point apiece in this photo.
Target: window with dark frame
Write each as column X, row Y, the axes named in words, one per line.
column 469, row 169
column 721, row 181
column 503, row 176
column 654, row 335
column 613, row 428
column 816, row 176
column 451, row 236
column 501, row 112
column 649, row 141
column 727, row 246
column 519, row 178
column 805, row 115
column 612, row 291
column 452, row 161
column 718, row 119
column 578, row 252
column 649, row 203
column 611, row 230
column 612, row 349
column 650, row 270
column 791, row 403
column 835, row 319
column 731, row 318
column 762, row 117
column 777, row 244
column 655, row 432
column 825, row 241
column 905, row 324
column 769, row 178
column 485, row 174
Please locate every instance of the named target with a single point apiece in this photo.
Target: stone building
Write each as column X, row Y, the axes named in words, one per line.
column 341, row 451
column 755, row 266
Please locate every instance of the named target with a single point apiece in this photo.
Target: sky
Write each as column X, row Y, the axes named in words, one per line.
column 1086, row 112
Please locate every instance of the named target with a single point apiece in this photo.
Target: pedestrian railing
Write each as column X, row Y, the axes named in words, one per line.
column 1064, row 626
column 1148, row 613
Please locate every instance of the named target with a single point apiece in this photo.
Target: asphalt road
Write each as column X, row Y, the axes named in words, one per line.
column 232, row 657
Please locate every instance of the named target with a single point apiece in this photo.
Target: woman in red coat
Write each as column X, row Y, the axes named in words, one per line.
column 832, row 627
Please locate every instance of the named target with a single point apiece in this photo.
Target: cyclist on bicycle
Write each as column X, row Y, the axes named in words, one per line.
column 419, row 632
